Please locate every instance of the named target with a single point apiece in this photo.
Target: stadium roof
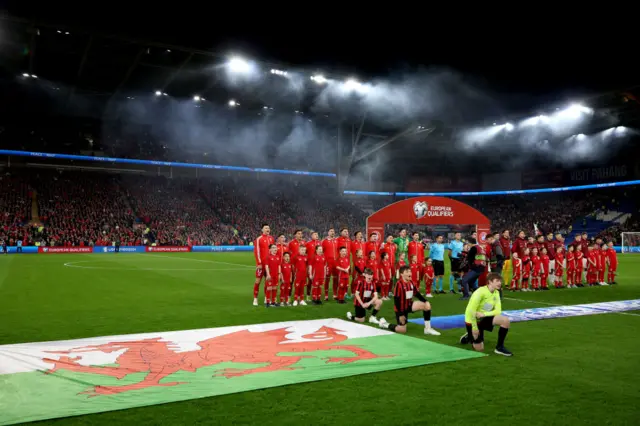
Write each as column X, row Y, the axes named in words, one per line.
column 71, row 65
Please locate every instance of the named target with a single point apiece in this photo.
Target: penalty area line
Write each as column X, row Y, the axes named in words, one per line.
column 556, row 304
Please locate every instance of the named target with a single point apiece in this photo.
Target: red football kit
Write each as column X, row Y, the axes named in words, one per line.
column 428, row 278
column 577, row 277
column 536, row 269
column 373, row 265
column 602, row 264
column 416, row 248
column 372, row 246
column 358, row 245
column 330, row 249
column 344, row 242
column 416, row 268
column 612, row 258
column 294, row 249
column 272, row 270
column 385, row 276
column 311, row 254
column 287, row 277
column 517, row 274
column 519, row 244
column 544, row 277
column 592, row 267
column 319, row 269
column 571, row 267
column 343, row 277
column 301, row 275
column 260, row 252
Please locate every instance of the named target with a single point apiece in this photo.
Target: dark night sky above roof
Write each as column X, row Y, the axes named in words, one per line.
column 528, row 66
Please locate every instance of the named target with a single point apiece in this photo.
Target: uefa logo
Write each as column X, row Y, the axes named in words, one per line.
column 105, row 249
column 420, row 209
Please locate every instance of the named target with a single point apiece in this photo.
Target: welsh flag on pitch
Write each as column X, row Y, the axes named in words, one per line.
column 67, row 378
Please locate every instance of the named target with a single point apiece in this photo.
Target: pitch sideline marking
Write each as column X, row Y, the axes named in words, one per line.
column 556, row 304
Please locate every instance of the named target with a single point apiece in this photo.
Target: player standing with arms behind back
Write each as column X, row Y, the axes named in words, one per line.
column 612, row 261
column 261, row 251
column 484, row 311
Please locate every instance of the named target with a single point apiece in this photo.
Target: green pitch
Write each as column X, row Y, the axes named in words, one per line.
column 582, row 368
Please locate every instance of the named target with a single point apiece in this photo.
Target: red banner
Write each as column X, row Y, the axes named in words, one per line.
column 51, row 250
column 169, row 249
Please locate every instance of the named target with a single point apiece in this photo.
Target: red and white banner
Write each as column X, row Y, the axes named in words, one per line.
column 169, row 249
column 54, row 250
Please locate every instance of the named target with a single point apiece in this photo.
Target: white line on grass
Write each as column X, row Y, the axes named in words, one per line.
column 204, row 260
column 556, row 304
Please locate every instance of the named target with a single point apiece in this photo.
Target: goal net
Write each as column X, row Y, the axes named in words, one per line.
column 630, row 242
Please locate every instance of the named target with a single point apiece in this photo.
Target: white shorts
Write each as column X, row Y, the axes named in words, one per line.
column 552, row 264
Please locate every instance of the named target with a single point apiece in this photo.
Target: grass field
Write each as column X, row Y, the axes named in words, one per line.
column 581, row 370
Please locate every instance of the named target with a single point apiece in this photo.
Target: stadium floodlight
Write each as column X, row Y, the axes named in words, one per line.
column 197, row 98
column 24, row 74
column 239, row 65
column 34, row 76
column 158, row 93
column 580, row 136
column 319, row 79
column 508, row 127
column 278, row 72
column 233, row 103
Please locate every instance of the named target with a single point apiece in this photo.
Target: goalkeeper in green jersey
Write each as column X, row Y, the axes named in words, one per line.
column 483, row 313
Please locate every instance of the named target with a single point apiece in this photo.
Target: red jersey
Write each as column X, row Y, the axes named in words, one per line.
column 544, row 259
column 366, row 291
column 519, row 244
column 532, row 245
column 517, row 268
column 578, row 256
column 585, row 248
column 294, row 249
column 344, row 242
column 602, row 258
column 261, row 248
column 612, row 256
column 404, row 295
column 372, row 246
column 415, row 271
column 330, row 248
column 373, row 265
column 550, row 245
column 559, row 264
column 282, row 249
column 272, row 265
column 311, row 249
column 400, row 264
column 428, row 272
column 385, row 268
column 287, row 272
column 301, row 268
column 358, row 267
column 390, row 249
column 344, row 262
column 593, row 260
column 357, row 245
column 319, row 268
column 536, row 265
column 526, row 265
column 416, row 248
column 571, row 260
column 505, row 243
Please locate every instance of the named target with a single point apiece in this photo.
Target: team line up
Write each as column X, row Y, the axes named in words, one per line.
column 528, row 263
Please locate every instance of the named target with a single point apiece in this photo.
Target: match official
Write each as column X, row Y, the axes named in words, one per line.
column 483, row 313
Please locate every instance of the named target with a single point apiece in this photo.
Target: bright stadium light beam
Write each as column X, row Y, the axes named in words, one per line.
column 158, row 93
column 319, row 79
column 197, row 98
column 239, row 65
column 233, row 103
column 508, row 127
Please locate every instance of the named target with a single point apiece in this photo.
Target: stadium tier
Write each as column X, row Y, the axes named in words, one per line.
column 68, row 208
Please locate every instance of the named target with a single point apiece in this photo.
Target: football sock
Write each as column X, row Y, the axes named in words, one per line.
column 450, row 282
column 426, row 315
column 502, row 334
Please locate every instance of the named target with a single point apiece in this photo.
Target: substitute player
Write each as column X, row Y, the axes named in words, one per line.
column 404, row 304
column 365, row 297
column 483, row 312
column 261, row 251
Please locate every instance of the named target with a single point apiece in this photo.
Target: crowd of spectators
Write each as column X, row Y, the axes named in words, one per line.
column 15, row 206
column 90, row 208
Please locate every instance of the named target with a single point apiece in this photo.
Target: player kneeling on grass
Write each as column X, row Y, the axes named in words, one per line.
column 483, row 313
column 404, row 304
column 365, row 297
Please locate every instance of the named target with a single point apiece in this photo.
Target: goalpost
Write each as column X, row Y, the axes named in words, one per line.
column 630, row 242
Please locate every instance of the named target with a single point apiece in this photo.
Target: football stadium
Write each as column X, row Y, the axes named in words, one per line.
column 199, row 235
